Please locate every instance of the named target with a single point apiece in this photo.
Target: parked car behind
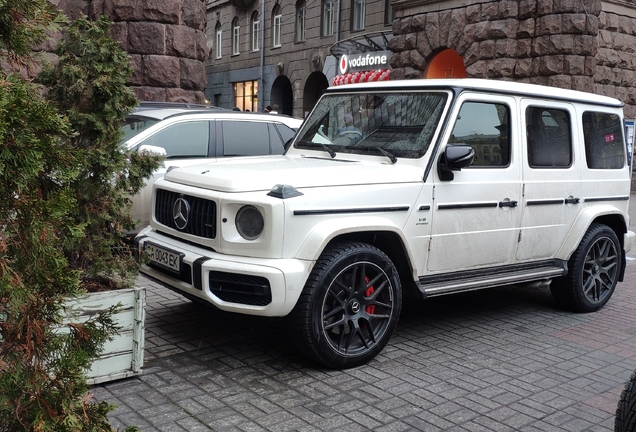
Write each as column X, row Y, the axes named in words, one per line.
column 194, row 135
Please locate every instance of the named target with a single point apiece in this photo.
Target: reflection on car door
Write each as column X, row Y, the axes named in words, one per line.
column 476, row 218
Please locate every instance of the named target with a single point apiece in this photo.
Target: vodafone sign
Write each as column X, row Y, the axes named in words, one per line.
column 364, row 61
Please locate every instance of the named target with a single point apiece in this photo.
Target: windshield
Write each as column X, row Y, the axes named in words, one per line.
column 134, row 125
column 402, row 124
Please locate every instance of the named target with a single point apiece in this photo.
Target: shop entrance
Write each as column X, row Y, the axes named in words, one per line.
column 446, row 64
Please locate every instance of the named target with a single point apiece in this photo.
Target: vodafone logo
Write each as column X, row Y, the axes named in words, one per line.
column 364, row 61
column 344, row 64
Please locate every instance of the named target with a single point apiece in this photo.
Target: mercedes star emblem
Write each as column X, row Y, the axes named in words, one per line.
column 180, row 213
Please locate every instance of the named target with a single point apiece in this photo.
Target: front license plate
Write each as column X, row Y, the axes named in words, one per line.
column 164, row 257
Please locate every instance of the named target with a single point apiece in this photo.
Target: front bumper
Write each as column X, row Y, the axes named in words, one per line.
column 231, row 283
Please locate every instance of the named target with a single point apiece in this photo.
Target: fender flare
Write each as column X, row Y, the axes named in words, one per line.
column 582, row 224
column 324, row 232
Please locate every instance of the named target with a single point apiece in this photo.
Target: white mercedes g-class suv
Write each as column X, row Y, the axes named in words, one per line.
column 419, row 187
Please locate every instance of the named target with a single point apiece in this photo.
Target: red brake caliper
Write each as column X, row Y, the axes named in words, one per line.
column 369, row 308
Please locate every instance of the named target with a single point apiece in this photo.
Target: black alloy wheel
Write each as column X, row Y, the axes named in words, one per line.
column 349, row 307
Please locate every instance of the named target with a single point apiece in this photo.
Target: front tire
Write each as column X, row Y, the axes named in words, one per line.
column 349, row 307
column 593, row 271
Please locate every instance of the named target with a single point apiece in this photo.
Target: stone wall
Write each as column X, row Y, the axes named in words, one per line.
column 566, row 43
column 166, row 40
column 616, row 59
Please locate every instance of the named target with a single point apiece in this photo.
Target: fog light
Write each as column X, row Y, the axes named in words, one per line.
column 249, row 222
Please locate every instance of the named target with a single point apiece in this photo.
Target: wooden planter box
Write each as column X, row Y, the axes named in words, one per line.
column 123, row 356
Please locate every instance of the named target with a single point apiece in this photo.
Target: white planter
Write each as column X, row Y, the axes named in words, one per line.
column 123, row 356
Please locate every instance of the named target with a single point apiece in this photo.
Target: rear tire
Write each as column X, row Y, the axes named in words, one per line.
column 625, row 420
column 593, row 271
column 349, row 307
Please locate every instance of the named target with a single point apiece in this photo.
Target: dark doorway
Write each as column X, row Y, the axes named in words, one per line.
column 282, row 97
column 315, row 86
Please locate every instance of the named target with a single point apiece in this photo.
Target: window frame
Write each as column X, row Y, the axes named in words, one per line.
column 505, row 162
column 256, row 26
column 529, row 121
column 358, row 15
column 301, row 20
column 236, row 37
column 277, row 18
column 219, row 41
column 328, row 18
column 590, row 143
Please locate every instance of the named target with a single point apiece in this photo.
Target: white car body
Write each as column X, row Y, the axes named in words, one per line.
column 447, row 227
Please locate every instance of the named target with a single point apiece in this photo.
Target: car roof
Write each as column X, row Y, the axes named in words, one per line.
column 493, row 86
column 163, row 114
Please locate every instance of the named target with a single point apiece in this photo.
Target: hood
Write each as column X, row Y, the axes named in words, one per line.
column 263, row 173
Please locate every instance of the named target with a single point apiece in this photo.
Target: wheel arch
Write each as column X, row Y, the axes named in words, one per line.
column 388, row 239
column 606, row 215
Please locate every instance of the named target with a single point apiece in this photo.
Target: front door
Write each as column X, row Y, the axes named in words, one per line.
column 476, row 215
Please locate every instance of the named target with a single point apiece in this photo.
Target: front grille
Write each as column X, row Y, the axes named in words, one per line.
column 243, row 289
column 201, row 219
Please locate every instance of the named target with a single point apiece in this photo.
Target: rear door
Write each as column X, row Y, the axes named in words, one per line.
column 552, row 178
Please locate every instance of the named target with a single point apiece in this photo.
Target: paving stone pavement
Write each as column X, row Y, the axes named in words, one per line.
column 504, row 359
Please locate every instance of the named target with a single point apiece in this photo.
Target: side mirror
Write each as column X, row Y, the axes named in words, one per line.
column 159, row 151
column 454, row 158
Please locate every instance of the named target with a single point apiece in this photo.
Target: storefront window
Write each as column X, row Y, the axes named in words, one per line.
column 246, row 95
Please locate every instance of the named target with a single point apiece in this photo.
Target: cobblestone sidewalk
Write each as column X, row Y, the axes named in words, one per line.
column 504, row 359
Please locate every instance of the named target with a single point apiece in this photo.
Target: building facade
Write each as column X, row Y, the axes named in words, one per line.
column 277, row 52
column 579, row 44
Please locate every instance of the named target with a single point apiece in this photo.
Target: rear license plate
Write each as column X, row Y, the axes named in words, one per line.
column 164, row 257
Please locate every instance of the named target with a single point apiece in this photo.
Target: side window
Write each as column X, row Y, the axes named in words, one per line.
column 549, row 137
column 603, row 140
column 182, row 140
column 242, row 138
column 286, row 132
column 485, row 126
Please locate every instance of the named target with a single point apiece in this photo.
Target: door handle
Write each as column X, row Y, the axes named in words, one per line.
column 572, row 200
column 508, row 204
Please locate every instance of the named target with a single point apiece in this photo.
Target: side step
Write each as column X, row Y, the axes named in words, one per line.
column 432, row 286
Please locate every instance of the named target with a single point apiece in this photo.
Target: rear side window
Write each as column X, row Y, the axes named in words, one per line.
column 241, row 138
column 603, row 140
column 182, row 140
column 485, row 127
column 549, row 137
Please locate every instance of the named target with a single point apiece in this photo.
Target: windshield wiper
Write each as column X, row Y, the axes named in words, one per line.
column 328, row 150
column 391, row 156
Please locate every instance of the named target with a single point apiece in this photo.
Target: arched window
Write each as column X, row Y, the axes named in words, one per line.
column 256, row 31
column 328, row 17
column 218, row 46
column 301, row 15
column 358, row 13
column 277, row 16
column 236, row 36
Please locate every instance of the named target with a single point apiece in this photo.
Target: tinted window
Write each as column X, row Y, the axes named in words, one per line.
column 485, row 127
column 241, row 138
column 189, row 139
column 135, row 125
column 603, row 140
column 548, row 133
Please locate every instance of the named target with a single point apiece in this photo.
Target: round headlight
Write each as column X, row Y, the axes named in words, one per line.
column 249, row 222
